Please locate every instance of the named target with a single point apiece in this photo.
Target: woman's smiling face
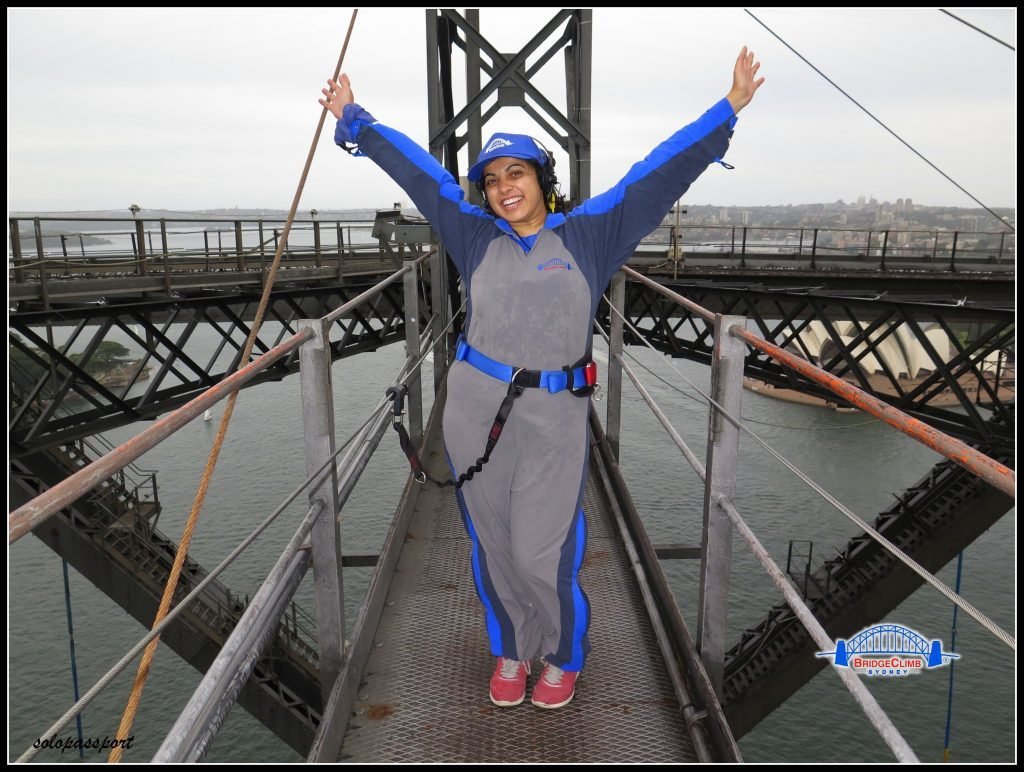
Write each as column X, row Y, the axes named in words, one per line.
column 514, row 194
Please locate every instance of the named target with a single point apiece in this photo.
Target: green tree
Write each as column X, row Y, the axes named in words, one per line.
column 109, row 355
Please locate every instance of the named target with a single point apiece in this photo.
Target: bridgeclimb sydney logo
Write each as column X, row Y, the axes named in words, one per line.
column 888, row 651
column 496, row 144
column 555, row 264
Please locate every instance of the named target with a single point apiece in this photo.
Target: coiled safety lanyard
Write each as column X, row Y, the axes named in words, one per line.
column 398, row 393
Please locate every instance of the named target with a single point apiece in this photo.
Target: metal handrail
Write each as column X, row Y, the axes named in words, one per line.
column 28, row 516
column 998, row 475
column 879, row 240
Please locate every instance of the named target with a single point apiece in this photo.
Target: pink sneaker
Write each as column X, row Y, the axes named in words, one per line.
column 555, row 687
column 508, row 684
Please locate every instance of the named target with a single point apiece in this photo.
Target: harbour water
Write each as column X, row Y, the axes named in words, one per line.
column 861, row 461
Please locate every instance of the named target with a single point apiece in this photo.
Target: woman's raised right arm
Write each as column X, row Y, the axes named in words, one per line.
column 436, row 194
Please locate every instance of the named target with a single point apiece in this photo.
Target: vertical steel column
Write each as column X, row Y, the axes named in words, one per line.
column 316, row 243
column 439, row 306
column 583, row 62
column 438, row 263
column 318, row 428
column 716, row 542
column 412, row 351
column 615, row 323
column 434, row 119
column 474, row 124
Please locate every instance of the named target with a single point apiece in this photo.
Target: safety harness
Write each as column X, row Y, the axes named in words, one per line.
column 579, row 379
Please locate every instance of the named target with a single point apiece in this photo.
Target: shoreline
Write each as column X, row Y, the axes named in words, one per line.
column 946, row 398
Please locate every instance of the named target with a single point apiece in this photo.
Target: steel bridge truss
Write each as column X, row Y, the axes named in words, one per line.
column 509, row 80
column 62, row 390
column 978, row 370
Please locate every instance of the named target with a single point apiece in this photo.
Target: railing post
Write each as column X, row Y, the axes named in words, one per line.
column 439, row 306
column 19, row 273
column 341, row 256
column 716, row 543
column 44, row 289
column 167, row 259
column 239, row 252
column 316, row 243
column 318, row 430
column 952, row 252
column 412, row 351
column 614, row 418
column 743, row 248
column 885, row 246
column 141, row 249
column 999, row 257
column 814, row 249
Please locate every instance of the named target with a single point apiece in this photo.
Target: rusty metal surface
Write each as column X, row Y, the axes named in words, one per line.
column 424, row 694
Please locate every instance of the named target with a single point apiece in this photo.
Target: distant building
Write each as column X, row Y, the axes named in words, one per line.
column 900, row 353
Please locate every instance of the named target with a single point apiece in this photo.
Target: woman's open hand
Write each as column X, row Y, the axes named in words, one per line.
column 337, row 94
column 743, row 83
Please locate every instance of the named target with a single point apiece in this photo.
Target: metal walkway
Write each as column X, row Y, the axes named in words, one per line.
column 423, row 692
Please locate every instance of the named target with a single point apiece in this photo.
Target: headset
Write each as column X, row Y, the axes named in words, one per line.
column 548, row 180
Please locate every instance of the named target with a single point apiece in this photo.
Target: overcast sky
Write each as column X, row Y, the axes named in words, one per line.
column 200, row 108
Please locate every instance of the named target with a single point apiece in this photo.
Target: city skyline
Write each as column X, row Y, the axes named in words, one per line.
column 219, row 108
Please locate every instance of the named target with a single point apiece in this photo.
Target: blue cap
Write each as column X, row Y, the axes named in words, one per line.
column 507, row 146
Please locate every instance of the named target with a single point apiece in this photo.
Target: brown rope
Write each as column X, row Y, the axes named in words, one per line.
column 211, row 462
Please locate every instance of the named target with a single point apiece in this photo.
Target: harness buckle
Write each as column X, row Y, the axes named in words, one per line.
column 590, row 384
column 512, row 381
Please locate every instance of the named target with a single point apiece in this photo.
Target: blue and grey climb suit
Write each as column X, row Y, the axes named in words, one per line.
column 531, row 304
